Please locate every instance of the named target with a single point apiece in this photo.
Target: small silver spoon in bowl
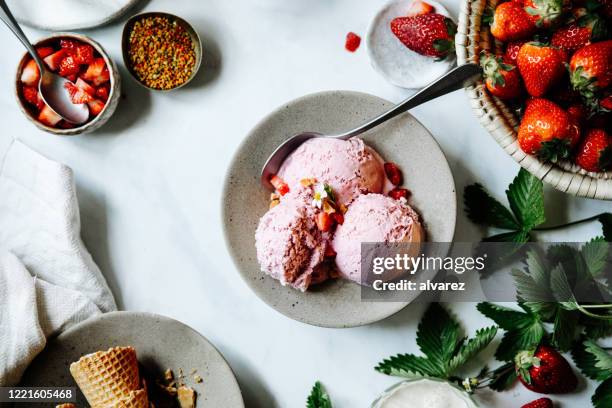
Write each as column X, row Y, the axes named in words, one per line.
column 457, row 78
column 51, row 86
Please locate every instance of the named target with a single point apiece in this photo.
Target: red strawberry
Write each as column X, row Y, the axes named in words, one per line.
column 48, row 117
column 545, row 371
column 595, row 151
column 31, row 95
column 30, row 74
column 398, row 193
column 541, row 67
column 44, row 51
column 606, row 103
column 103, row 92
column 512, row 50
column 546, row 130
column 352, row 42
column 394, row 174
column 587, row 28
column 419, row 7
column 511, row 23
column 84, row 54
column 539, row 403
column 95, row 107
column 69, row 66
column 545, row 13
column 86, row 87
column 501, row 79
column 53, row 61
column 279, row 184
column 591, row 70
column 578, row 113
column 97, row 73
column 324, row 221
column 432, row 35
column 68, row 44
column 77, row 95
column 338, row 217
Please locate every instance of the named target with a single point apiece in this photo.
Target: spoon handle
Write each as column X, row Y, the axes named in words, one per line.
column 455, row 79
column 7, row 17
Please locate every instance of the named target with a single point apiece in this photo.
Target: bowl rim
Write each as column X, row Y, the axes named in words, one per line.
column 109, row 64
column 195, row 38
column 395, row 386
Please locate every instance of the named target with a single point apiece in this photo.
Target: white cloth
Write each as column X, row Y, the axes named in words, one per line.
column 48, row 280
column 67, row 14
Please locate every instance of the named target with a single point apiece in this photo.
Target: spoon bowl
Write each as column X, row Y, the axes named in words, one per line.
column 52, row 88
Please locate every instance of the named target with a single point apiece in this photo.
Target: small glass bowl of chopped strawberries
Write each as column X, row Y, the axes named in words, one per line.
column 94, row 76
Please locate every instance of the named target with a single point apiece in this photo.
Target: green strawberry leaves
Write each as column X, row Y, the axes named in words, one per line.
column 595, row 363
column 318, row 398
column 445, row 349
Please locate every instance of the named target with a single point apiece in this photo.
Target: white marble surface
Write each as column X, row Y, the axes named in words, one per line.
column 150, row 190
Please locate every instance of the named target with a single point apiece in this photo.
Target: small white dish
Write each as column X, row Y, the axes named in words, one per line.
column 392, row 59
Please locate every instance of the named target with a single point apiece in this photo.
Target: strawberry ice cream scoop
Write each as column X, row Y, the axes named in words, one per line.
column 372, row 218
column 349, row 167
column 290, row 247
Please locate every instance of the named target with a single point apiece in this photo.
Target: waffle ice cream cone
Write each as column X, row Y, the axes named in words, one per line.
column 106, row 377
column 136, row 399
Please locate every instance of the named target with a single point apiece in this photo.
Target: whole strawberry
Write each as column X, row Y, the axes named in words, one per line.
column 501, row 79
column 595, row 151
column 541, row 67
column 591, row 70
column 545, row 371
column 512, row 50
column 432, row 34
column 547, row 130
column 539, row 403
column 576, row 35
column 545, row 13
column 511, row 23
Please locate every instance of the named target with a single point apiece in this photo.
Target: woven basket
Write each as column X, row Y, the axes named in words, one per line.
column 502, row 123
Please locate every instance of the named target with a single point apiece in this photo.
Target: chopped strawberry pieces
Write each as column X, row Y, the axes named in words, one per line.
column 338, row 217
column 44, row 51
column 279, row 184
column 85, row 87
column 97, row 73
column 54, row 60
column 30, row 73
column 419, row 7
column 352, row 42
column 30, row 94
column 68, row 44
column 69, row 66
column 95, row 107
column 84, row 54
column 393, row 173
column 398, row 193
column 48, row 117
column 77, row 95
column 324, row 221
column 103, row 92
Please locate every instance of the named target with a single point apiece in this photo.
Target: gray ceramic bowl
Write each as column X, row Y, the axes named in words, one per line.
column 113, row 97
column 195, row 38
column 160, row 343
column 469, row 401
column 402, row 140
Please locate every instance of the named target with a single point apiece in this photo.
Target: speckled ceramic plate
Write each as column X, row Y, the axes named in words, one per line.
column 160, row 343
column 390, row 58
column 402, row 140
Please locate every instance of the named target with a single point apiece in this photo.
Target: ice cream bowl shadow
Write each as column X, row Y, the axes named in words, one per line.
column 111, row 102
column 127, row 51
column 425, row 391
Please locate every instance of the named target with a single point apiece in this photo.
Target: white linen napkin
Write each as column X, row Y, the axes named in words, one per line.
column 48, row 280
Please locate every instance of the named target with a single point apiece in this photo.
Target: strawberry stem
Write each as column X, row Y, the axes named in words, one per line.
column 569, row 224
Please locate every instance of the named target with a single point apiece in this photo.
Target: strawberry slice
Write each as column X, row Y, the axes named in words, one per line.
column 77, row 95
column 398, row 193
column 53, row 61
column 419, row 7
column 44, row 51
column 338, row 217
column 393, row 173
column 84, row 54
column 30, row 73
column 324, row 221
column 69, row 66
column 95, row 107
column 86, row 87
column 97, row 73
column 30, row 94
column 352, row 42
column 279, row 184
column 103, row 92
column 68, row 45
column 48, row 117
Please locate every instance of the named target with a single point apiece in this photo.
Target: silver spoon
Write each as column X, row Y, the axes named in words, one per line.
column 457, row 78
column 51, row 86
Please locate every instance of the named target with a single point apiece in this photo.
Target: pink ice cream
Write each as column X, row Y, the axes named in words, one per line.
column 289, row 245
column 349, row 167
column 372, row 218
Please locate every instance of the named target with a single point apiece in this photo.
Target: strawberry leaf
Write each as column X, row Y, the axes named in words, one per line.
column 483, row 209
column 409, row 366
column 318, row 398
column 603, row 395
column 438, row 335
column 592, row 360
column 472, row 347
column 555, row 150
column 564, row 330
column 504, row 317
column 606, row 223
column 526, row 198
